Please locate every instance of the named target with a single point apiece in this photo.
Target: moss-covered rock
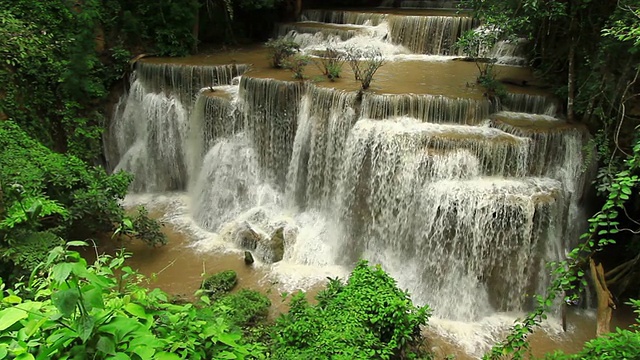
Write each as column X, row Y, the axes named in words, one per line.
column 221, row 283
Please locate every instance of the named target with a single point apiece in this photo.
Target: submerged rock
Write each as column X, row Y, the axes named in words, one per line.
column 248, row 258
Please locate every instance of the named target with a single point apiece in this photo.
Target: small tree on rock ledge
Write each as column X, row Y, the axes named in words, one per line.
column 364, row 63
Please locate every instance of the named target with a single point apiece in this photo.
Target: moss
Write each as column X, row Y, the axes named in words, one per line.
column 221, row 283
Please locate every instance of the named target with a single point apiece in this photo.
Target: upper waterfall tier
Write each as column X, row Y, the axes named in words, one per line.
column 433, row 34
column 430, row 4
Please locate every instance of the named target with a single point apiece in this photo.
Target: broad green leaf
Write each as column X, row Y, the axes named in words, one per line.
column 144, row 352
column 166, row 356
column 60, row 272
column 120, row 356
column 92, row 296
column 66, row 301
column 106, row 345
column 12, row 299
column 25, row 356
column 226, row 355
column 84, row 327
column 10, row 316
column 136, row 310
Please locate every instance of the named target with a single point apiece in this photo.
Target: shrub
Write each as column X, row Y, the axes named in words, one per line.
column 364, row 63
column 218, row 284
column 330, row 63
column 297, row 63
column 242, row 309
column 57, row 194
column 280, row 49
column 366, row 318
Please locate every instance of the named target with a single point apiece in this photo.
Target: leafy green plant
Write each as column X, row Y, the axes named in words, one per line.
column 364, row 63
column 58, row 195
column 330, row 62
column 477, row 44
column 219, row 284
column 297, row 63
column 280, row 50
column 366, row 318
column 101, row 311
column 242, row 309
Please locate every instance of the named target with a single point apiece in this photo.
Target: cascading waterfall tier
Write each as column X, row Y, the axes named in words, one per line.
column 185, row 80
column 327, row 32
column 428, row 108
column 344, row 17
column 433, row 35
column 533, row 104
column 430, row 4
column 150, row 124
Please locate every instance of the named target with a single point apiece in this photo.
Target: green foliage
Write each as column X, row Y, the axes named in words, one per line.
column 366, row 318
column 101, row 311
column 364, row 63
column 219, row 284
column 297, row 63
column 330, row 63
column 625, row 25
column 242, row 309
column 280, row 50
column 477, row 45
column 60, row 58
column 142, row 227
column 47, row 194
column 621, row 344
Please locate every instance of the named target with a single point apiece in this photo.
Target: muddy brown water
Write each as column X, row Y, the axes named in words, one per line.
column 447, row 78
column 178, row 269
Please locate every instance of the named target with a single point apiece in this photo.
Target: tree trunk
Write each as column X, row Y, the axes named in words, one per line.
column 196, row 31
column 298, row 10
column 571, row 93
column 605, row 299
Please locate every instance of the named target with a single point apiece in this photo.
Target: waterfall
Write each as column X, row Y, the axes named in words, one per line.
column 533, row 104
column 462, row 201
column 430, row 4
column 433, row 35
column 344, row 17
column 428, row 108
column 291, row 30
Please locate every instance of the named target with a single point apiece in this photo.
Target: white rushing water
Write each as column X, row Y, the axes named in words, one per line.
column 463, row 207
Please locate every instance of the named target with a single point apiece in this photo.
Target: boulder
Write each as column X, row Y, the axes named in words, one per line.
column 246, row 237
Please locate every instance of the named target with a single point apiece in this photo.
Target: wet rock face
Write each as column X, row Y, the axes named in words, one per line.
column 267, row 248
column 247, row 237
column 276, row 245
